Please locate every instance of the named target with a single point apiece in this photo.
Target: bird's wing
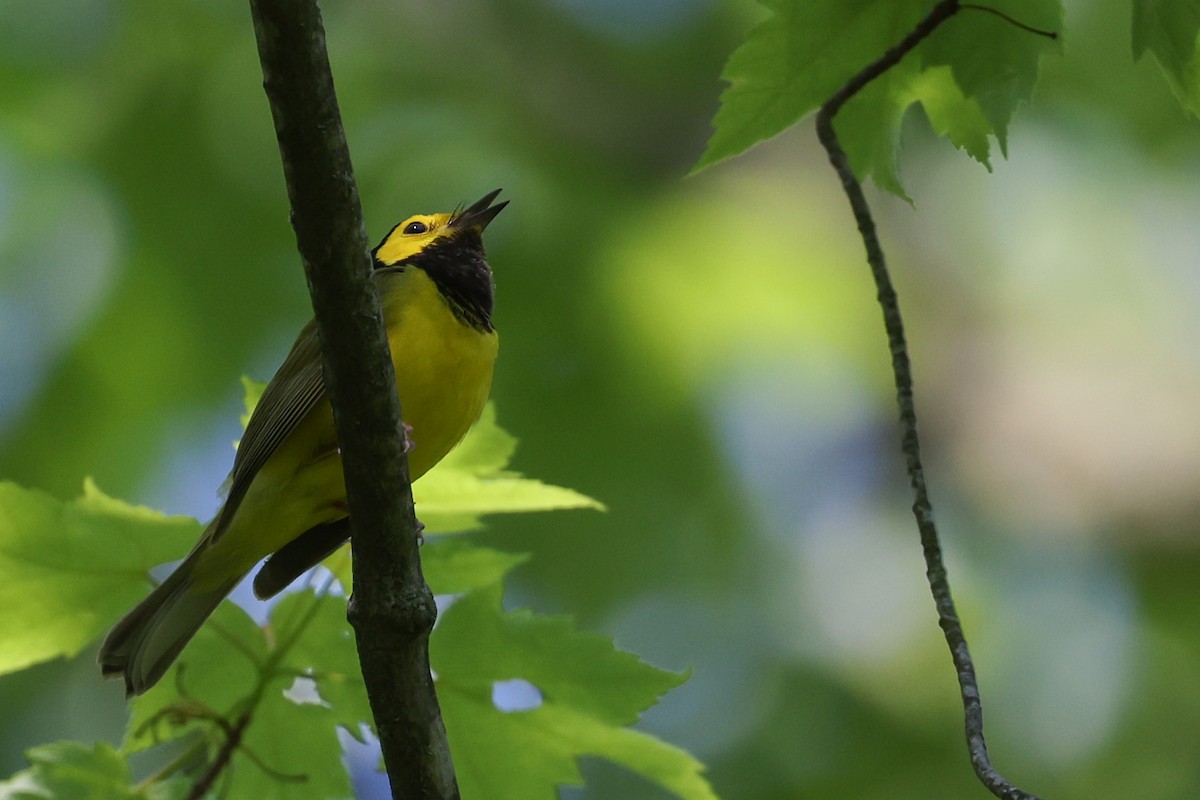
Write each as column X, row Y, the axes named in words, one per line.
column 297, row 387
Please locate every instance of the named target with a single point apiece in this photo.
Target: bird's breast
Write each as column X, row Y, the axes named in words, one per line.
column 443, row 366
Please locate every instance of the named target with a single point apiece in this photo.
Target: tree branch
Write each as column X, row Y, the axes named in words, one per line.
column 392, row 608
column 935, row 570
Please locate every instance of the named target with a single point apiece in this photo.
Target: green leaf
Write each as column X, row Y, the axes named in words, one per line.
column 808, row 49
column 589, row 692
column 289, row 749
column 451, row 566
column 994, row 62
column 591, row 689
column 326, row 651
column 545, row 744
column 217, row 671
column 448, row 502
column 1170, row 31
column 298, row 743
column 486, row 449
column 471, row 481
column 952, row 114
column 68, row 570
column 868, row 127
column 252, row 392
column 796, row 59
column 69, row 770
column 454, row 566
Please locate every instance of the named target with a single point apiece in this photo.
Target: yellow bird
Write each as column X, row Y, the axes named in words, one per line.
column 287, row 500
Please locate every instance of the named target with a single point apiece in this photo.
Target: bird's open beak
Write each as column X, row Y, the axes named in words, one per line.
column 479, row 214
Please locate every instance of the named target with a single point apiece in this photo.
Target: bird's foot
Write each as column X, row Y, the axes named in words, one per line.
column 408, row 443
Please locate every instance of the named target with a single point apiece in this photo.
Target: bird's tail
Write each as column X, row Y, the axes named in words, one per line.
column 142, row 646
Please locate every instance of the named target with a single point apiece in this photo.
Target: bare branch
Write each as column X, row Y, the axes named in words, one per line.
column 935, row 569
column 392, row 608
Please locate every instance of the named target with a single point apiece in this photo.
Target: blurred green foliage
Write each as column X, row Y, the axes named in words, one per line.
column 703, row 355
column 71, row 569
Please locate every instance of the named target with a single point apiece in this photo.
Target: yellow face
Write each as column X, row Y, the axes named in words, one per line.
column 412, row 236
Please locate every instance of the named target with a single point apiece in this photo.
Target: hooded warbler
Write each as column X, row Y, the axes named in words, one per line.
column 286, row 499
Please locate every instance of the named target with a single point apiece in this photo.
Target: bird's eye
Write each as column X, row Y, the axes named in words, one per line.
column 416, row 227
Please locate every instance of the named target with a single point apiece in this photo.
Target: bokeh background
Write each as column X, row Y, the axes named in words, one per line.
column 704, row 354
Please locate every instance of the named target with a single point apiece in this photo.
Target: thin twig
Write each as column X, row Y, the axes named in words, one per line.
column 271, row 772
column 186, row 758
column 922, row 507
column 195, row 710
column 233, row 737
column 392, row 609
column 1014, row 22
